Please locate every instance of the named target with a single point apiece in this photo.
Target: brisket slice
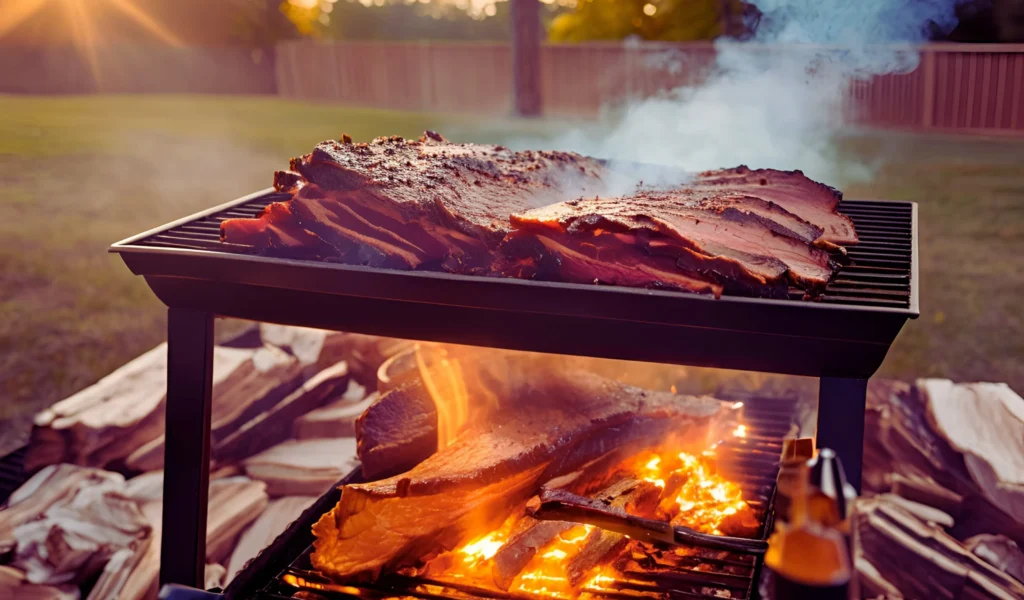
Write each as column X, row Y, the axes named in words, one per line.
column 412, row 204
column 716, row 240
column 472, row 485
column 793, row 191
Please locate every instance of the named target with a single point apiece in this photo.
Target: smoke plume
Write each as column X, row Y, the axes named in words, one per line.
column 775, row 100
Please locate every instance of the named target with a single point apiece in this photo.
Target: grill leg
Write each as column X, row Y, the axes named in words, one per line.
column 187, row 446
column 841, row 406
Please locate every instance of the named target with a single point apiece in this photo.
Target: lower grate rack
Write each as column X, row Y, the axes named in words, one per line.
column 643, row 569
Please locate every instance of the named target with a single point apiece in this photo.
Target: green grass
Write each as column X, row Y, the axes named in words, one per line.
column 77, row 173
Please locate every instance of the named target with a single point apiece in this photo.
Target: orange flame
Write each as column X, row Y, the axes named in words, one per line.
column 442, row 376
column 694, row 495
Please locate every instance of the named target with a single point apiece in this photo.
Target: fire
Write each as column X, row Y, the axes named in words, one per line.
column 482, row 549
column 693, row 493
column 443, row 377
column 700, row 497
column 740, row 431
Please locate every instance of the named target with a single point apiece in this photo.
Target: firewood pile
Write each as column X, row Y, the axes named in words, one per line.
column 942, row 516
column 87, row 524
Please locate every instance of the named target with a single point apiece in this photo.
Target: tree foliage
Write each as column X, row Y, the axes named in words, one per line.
column 665, row 20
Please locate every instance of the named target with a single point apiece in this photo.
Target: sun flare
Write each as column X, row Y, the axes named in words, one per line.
column 86, row 33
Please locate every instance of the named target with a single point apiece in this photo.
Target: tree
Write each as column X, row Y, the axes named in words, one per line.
column 665, row 20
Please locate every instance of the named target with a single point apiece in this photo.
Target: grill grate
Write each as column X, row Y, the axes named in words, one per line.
column 878, row 273
column 701, row 573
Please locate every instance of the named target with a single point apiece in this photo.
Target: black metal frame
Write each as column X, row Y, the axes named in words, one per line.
column 843, row 344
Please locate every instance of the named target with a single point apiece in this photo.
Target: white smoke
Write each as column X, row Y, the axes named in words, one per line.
column 775, row 100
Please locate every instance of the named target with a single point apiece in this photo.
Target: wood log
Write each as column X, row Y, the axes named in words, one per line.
column 274, row 425
column 106, row 421
column 900, row 547
column 301, row 342
column 999, row 551
column 984, row 422
column 279, row 514
column 54, row 485
column 529, row 536
column 926, row 491
column 253, row 388
column 303, row 467
column 337, row 419
column 14, row 585
column 631, row 495
column 72, row 540
column 235, row 502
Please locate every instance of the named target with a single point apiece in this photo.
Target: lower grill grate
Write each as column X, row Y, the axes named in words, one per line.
column 676, row 572
column 878, row 273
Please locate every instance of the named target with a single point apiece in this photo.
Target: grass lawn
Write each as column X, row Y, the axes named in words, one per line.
column 79, row 173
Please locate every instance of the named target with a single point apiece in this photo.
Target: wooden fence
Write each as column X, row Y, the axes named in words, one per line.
column 136, row 68
column 957, row 88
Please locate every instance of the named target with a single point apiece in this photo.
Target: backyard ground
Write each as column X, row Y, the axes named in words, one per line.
column 79, row 173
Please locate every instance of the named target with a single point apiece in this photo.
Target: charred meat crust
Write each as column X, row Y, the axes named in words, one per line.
column 429, row 204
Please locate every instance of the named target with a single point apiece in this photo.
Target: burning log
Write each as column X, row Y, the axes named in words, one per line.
column 303, row 467
column 633, row 496
column 530, row 536
column 490, row 468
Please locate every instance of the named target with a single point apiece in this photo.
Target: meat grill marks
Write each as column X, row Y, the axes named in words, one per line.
column 473, row 484
column 792, row 191
column 485, row 210
column 409, row 204
column 713, row 237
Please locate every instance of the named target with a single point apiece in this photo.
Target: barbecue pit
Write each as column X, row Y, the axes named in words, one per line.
column 842, row 337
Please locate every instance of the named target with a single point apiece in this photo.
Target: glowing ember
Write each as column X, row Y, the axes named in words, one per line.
column 740, row 431
column 693, row 494
column 482, row 549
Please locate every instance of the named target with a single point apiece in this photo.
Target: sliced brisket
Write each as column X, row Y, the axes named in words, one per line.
column 705, row 235
column 413, row 204
column 814, row 202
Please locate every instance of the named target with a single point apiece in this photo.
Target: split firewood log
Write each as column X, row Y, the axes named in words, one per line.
column 56, row 484
column 234, row 502
column 985, row 423
column 303, row 467
column 254, row 387
column 275, row 425
column 13, row 584
column 106, row 421
column 900, row 547
column 279, row 514
column 72, row 540
column 1000, row 552
column 337, row 419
